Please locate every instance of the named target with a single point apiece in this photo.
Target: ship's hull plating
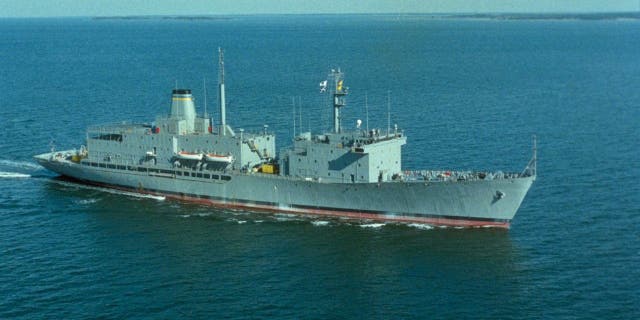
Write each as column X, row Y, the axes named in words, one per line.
column 459, row 203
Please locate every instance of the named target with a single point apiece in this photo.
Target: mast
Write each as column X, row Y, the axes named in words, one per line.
column 339, row 92
column 204, row 86
column 221, row 100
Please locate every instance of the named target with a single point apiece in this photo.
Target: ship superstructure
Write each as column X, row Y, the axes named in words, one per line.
column 354, row 174
column 361, row 156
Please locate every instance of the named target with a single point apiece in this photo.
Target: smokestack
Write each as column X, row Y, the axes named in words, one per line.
column 182, row 107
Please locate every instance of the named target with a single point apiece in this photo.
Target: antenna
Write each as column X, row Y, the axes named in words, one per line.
column 204, row 86
column 300, row 113
column 293, row 102
column 309, row 124
column 221, row 98
column 535, row 155
column 531, row 168
column 388, row 112
column 366, row 110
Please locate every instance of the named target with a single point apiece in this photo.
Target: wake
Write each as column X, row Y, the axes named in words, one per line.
column 13, row 175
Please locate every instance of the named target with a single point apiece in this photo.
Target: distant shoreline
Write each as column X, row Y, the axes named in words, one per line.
column 486, row 16
column 601, row 16
column 176, row 17
column 551, row 16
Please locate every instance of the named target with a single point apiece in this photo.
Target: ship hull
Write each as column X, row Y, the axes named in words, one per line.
column 491, row 203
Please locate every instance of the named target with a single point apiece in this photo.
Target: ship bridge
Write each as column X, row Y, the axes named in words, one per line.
column 361, row 156
column 358, row 157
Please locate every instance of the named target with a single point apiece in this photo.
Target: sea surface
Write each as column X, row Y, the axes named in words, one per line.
column 468, row 93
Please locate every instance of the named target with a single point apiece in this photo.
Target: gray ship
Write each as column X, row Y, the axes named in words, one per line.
column 348, row 174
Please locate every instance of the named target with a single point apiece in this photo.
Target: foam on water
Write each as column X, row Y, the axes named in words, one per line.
column 112, row 191
column 86, row 201
column 420, row 226
column 286, row 217
column 320, row 223
column 20, row 164
column 9, row 175
column 372, row 225
column 204, row 214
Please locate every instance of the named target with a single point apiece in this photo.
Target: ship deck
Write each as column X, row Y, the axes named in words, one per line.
column 409, row 176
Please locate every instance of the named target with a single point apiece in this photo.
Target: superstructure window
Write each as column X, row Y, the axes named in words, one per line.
column 108, row 136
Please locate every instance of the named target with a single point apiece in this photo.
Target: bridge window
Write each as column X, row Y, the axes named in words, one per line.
column 108, row 137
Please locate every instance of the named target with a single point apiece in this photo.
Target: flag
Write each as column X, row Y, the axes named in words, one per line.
column 323, row 86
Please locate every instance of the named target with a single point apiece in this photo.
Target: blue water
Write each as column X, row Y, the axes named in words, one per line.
column 468, row 93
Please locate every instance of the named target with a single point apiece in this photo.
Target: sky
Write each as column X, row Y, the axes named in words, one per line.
column 65, row 8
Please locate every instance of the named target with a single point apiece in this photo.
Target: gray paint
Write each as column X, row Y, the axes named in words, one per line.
column 358, row 171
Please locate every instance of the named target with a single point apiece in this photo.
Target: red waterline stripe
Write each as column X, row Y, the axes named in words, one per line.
column 320, row 212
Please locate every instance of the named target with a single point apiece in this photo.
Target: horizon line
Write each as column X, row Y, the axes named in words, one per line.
column 465, row 13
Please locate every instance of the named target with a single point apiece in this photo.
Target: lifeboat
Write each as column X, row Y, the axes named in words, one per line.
column 212, row 157
column 184, row 155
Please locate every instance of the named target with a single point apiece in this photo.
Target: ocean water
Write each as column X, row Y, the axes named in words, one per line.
column 468, row 93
